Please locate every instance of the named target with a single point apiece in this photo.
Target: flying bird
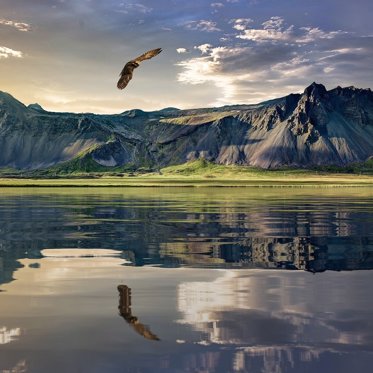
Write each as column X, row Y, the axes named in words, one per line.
column 127, row 72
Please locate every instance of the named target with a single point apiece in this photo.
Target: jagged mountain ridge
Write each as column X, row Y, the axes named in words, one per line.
column 318, row 127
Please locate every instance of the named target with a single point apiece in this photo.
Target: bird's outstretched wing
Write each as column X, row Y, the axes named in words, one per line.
column 147, row 55
column 127, row 72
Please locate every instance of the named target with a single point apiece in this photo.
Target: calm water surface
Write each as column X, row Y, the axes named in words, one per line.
column 186, row 280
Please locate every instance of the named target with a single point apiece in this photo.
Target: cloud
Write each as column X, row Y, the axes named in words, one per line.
column 241, row 23
column 328, row 69
column 217, row 5
column 198, row 70
column 312, row 34
column 181, row 50
column 134, row 7
column 20, row 26
column 275, row 30
column 273, row 23
column 265, row 35
column 276, row 59
column 202, row 25
column 210, row 69
column 7, row 52
column 204, row 48
column 272, row 30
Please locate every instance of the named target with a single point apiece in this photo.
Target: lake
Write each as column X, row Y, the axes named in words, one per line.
column 268, row 280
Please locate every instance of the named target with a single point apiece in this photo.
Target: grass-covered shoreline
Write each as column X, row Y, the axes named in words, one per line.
column 191, row 174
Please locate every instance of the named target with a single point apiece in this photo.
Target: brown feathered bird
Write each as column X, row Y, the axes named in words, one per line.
column 127, row 72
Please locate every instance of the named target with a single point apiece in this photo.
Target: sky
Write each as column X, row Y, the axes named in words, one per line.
column 66, row 55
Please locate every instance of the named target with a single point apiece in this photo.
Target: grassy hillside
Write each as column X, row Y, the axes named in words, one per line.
column 85, row 172
column 208, row 169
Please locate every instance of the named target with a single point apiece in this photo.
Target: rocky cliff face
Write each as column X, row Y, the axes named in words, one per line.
column 318, row 127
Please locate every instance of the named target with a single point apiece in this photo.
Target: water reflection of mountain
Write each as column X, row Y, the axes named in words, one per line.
column 311, row 234
column 311, row 254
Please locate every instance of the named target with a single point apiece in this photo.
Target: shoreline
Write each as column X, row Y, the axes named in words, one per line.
column 190, row 182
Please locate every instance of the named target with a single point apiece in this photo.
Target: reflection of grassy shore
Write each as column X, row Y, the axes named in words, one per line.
column 198, row 173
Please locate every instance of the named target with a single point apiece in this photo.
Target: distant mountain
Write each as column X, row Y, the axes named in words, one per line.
column 317, row 127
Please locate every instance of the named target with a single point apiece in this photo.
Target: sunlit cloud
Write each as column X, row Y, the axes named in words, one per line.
column 208, row 69
column 328, row 69
column 241, row 23
column 20, row 26
column 181, row 50
column 276, row 30
column 198, row 70
column 272, row 30
column 204, row 48
column 8, row 52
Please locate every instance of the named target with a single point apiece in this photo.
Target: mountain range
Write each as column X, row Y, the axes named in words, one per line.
column 316, row 127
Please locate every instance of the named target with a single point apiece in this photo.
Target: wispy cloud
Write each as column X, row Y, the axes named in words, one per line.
column 8, row 52
column 202, row 25
column 134, row 7
column 217, row 5
column 20, row 26
column 273, row 23
column 312, row 34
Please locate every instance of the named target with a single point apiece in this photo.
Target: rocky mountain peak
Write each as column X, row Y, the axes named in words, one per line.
column 36, row 107
column 134, row 113
column 315, row 90
column 10, row 106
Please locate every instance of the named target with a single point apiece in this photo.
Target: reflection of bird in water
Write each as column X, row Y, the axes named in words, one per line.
column 126, row 312
column 127, row 72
